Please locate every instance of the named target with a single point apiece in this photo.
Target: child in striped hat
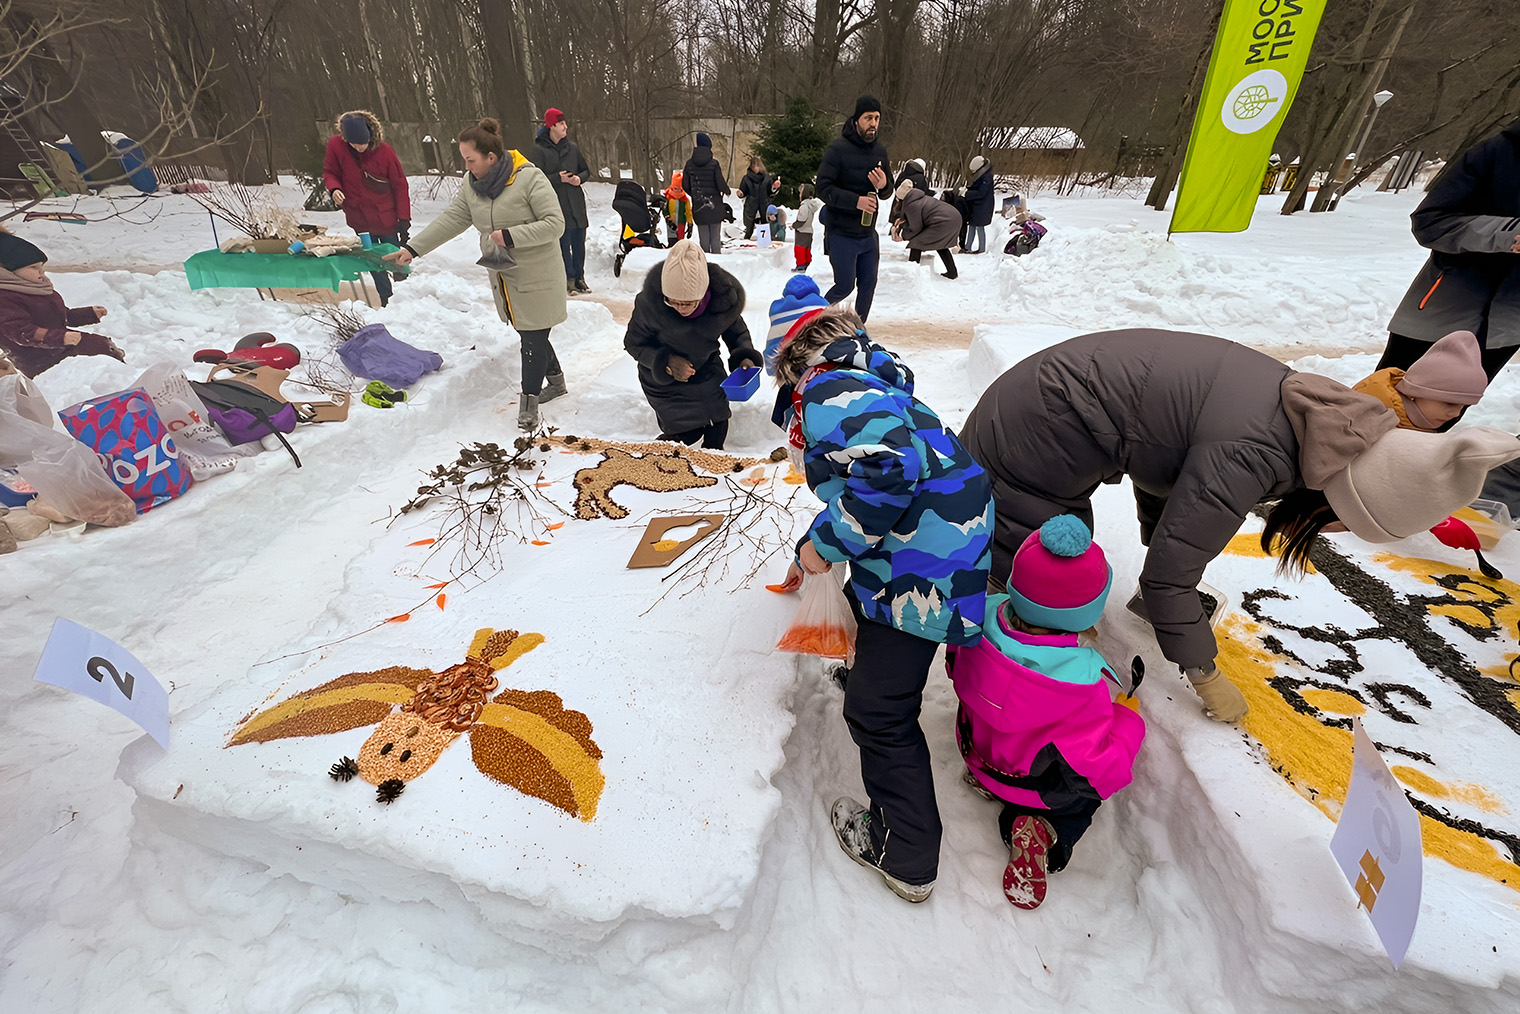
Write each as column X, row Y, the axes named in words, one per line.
column 800, row 295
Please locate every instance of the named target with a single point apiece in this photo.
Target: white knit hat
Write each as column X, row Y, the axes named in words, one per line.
column 915, row 162
column 684, row 276
column 1409, row 480
column 977, row 162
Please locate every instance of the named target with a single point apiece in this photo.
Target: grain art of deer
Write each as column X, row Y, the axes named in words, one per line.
column 525, row 739
column 657, row 473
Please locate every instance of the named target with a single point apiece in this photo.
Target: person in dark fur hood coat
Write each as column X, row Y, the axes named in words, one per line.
column 685, row 309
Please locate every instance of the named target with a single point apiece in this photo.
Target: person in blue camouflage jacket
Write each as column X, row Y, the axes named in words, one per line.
column 911, row 512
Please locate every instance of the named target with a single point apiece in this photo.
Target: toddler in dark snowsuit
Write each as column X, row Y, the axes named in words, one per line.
column 36, row 326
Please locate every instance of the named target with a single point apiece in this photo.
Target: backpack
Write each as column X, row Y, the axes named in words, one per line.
column 247, row 414
column 1025, row 239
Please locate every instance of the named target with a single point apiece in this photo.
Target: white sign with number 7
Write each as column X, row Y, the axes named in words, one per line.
column 94, row 666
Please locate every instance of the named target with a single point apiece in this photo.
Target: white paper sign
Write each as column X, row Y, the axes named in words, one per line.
column 763, row 235
column 94, row 666
column 1378, row 846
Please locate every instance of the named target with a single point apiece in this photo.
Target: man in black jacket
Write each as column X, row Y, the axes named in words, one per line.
column 561, row 160
column 851, row 180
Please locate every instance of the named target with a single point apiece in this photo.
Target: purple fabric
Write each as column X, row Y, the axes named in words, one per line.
column 243, row 427
column 374, row 354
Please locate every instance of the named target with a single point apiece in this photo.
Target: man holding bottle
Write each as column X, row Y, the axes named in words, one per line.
column 851, row 180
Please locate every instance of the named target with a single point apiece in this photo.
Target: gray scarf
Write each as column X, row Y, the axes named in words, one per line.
column 11, row 282
column 494, row 182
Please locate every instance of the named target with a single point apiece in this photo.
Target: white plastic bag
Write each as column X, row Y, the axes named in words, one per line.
column 824, row 624
column 201, row 445
column 67, row 475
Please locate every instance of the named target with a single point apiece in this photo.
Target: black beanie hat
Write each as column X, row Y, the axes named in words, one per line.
column 16, row 252
column 355, row 129
column 703, row 141
column 866, row 104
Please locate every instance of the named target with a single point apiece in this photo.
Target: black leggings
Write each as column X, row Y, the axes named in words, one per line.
column 712, row 435
column 944, row 255
column 1402, row 352
column 538, row 360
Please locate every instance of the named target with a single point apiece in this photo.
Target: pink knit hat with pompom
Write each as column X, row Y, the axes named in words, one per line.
column 1060, row 578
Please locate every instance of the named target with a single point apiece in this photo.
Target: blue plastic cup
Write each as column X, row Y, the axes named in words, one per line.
column 364, row 241
column 297, row 247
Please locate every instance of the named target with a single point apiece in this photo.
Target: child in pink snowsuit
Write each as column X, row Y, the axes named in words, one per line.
column 1037, row 726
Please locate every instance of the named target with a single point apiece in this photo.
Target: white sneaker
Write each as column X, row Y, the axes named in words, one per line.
column 852, row 829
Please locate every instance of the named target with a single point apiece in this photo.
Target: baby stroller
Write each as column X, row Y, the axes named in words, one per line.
column 640, row 221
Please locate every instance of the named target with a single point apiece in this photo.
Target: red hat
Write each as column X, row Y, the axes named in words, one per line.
column 553, row 116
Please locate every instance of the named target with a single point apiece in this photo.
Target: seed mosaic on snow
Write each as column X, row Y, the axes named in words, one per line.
column 527, row 740
column 1305, row 681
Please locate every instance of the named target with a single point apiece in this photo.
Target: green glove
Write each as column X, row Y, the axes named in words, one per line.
column 1221, row 698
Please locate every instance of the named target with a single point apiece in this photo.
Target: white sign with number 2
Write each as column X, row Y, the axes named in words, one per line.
column 94, row 666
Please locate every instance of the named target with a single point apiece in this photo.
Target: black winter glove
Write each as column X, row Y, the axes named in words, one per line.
column 403, row 231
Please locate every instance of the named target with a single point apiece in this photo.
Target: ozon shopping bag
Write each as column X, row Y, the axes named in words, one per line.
column 125, row 432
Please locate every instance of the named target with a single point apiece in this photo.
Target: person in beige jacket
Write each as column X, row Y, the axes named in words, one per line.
column 512, row 204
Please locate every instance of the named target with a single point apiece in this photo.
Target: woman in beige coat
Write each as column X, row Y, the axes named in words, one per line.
column 512, row 204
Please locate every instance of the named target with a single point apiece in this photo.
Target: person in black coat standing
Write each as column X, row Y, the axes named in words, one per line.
column 756, row 188
column 979, row 201
column 852, row 179
column 703, row 181
column 685, row 309
column 561, row 160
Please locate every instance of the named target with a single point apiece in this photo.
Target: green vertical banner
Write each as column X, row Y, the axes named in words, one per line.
column 1258, row 61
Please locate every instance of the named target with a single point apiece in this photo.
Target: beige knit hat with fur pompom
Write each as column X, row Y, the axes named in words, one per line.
column 684, row 276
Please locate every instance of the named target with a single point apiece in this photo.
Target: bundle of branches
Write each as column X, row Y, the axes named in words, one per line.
column 758, row 526
column 441, row 186
column 338, row 322
column 252, row 210
column 486, row 495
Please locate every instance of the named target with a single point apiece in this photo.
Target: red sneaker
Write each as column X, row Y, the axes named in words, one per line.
column 1024, row 879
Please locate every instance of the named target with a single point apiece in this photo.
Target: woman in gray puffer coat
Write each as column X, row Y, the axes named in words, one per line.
column 1206, row 429
column 925, row 224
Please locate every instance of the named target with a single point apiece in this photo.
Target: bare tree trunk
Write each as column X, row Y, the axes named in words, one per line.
column 372, row 51
column 1351, row 116
column 895, row 19
column 1319, row 146
column 508, row 86
column 1170, row 168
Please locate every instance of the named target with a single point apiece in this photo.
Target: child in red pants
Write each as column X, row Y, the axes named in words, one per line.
column 802, row 227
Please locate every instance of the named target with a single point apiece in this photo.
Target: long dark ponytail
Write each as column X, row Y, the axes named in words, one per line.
column 1293, row 523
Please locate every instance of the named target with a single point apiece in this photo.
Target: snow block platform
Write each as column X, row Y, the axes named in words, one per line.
column 673, row 789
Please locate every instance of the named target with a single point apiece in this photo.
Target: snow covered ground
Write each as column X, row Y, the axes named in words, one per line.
column 243, row 879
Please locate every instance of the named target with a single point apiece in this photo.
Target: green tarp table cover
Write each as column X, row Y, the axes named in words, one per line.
column 211, row 269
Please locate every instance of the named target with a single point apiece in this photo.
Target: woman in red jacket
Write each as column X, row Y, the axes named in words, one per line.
column 37, row 329
column 365, row 179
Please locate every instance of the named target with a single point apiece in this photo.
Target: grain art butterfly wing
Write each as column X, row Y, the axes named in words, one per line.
column 530, row 741
column 348, row 702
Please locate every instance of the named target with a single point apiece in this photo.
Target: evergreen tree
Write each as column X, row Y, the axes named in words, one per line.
column 792, row 145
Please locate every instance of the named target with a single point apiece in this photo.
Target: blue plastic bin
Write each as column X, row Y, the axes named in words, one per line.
column 742, row 384
column 10, row 496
